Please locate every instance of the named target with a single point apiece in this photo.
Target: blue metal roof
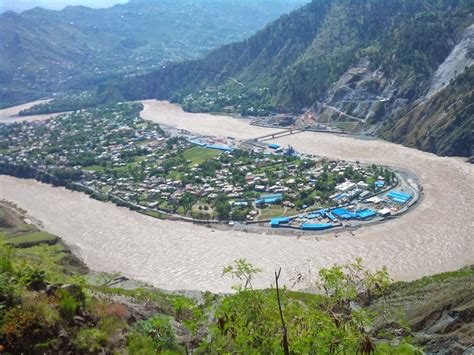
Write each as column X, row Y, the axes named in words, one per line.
column 318, row 226
column 365, row 214
column 275, row 222
column 197, row 142
column 399, row 197
column 343, row 213
column 218, row 147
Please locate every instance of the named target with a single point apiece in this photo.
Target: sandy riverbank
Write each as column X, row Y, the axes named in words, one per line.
column 167, row 114
column 10, row 114
column 436, row 236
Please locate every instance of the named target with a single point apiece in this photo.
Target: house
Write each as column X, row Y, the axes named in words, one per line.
column 345, row 186
column 269, row 199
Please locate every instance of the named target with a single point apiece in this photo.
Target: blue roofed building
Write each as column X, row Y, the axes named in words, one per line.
column 219, row 147
column 316, row 226
column 276, row 222
column 365, row 214
column 269, row 199
column 399, row 197
column 343, row 213
column 380, row 183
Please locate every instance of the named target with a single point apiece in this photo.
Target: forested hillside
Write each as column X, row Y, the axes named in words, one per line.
column 372, row 59
column 45, row 51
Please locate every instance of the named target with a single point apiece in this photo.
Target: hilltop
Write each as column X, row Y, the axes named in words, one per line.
column 375, row 61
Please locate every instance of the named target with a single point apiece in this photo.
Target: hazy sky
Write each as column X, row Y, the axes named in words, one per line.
column 20, row 5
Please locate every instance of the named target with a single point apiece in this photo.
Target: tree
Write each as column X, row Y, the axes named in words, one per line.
column 278, row 321
column 187, row 201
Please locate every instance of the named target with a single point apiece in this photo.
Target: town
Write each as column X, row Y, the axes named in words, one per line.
column 113, row 154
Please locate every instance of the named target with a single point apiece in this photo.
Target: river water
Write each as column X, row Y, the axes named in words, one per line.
column 438, row 235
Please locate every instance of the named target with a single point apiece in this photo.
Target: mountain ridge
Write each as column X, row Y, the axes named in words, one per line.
column 48, row 51
column 389, row 53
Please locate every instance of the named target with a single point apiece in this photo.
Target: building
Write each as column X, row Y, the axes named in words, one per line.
column 269, row 199
column 276, row 222
column 345, row 186
column 399, row 197
column 385, row 212
column 316, row 226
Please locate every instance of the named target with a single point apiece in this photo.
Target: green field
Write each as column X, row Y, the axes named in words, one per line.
column 155, row 214
column 198, row 155
column 95, row 168
column 271, row 212
column 31, row 239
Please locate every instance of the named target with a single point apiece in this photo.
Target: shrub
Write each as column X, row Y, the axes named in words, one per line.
column 160, row 330
column 68, row 305
column 90, row 340
column 141, row 344
column 33, row 277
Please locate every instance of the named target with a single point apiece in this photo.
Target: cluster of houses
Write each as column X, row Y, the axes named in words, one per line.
column 118, row 154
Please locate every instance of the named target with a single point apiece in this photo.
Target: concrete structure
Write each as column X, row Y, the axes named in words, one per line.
column 345, row 186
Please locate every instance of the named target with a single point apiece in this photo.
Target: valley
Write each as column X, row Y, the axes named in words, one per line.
column 434, row 237
column 237, row 176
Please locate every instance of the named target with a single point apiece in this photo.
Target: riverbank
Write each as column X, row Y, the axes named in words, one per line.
column 11, row 114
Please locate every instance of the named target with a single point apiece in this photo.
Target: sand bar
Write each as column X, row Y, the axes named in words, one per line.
column 10, row 114
column 167, row 114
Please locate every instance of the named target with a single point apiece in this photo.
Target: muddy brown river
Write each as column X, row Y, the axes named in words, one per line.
column 438, row 235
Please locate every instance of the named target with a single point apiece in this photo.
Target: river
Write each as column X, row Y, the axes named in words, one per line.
column 10, row 114
column 436, row 236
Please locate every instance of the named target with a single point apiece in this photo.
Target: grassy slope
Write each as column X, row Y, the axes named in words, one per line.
column 14, row 230
column 439, row 309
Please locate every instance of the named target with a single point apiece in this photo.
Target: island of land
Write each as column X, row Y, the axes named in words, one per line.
column 113, row 154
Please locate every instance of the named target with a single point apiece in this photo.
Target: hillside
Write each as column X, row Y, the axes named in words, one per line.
column 443, row 123
column 46, row 51
column 370, row 59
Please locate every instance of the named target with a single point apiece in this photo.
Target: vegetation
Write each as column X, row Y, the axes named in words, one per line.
column 443, row 124
column 47, row 51
column 198, row 155
column 112, row 154
column 34, row 238
column 296, row 61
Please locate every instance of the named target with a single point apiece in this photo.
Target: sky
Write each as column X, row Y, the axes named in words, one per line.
column 21, row 5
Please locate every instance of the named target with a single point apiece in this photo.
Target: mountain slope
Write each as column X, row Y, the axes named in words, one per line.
column 442, row 124
column 43, row 51
column 371, row 59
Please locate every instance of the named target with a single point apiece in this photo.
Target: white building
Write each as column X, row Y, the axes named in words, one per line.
column 345, row 186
